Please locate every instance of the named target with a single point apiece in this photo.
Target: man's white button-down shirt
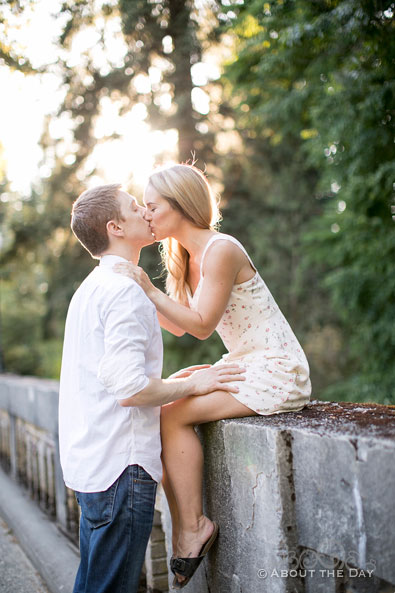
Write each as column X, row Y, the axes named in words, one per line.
column 112, row 346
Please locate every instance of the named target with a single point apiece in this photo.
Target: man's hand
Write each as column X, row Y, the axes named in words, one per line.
column 187, row 382
column 217, row 378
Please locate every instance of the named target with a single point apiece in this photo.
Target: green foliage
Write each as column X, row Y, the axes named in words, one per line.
column 321, row 74
column 21, row 328
column 307, row 186
column 35, row 228
column 187, row 351
column 50, row 352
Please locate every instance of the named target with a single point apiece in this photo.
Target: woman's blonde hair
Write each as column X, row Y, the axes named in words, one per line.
column 187, row 190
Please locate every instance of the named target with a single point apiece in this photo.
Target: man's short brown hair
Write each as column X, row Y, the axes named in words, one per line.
column 90, row 214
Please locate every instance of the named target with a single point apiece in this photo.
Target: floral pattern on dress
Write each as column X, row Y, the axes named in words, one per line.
column 257, row 336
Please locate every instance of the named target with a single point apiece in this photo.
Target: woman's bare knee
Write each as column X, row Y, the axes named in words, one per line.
column 180, row 413
column 171, row 414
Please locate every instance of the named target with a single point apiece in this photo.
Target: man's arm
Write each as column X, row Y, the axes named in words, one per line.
column 162, row 391
column 129, row 323
column 128, row 330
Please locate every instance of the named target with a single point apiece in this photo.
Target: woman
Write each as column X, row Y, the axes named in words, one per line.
column 212, row 284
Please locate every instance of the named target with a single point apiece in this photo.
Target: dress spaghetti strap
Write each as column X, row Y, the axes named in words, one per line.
column 223, row 237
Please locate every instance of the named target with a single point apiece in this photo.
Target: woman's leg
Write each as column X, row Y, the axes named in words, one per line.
column 183, row 458
column 171, row 500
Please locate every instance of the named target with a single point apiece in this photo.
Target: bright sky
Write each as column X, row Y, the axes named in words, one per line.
column 29, row 98
column 25, row 99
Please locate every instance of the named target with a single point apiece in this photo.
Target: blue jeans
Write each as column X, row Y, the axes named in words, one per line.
column 115, row 526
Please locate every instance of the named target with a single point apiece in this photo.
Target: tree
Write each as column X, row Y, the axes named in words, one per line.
column 13, row 58
column 321, row 74
column 160, row 46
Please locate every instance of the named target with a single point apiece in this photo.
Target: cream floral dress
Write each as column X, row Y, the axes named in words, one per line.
column 258, row 336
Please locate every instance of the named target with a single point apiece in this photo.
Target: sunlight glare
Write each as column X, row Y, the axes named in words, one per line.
column 29, row 99
column 203, row 72
column 142, row 84
column 22, row 109
column 200, row 101
column 167, row 43
column 131, row 158
column 165, row 101
column 27, row 33
column 155, row 75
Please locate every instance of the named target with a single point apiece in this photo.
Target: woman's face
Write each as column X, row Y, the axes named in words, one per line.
column 163, row 219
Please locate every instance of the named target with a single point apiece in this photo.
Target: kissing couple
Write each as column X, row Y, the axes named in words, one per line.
column 123, row 429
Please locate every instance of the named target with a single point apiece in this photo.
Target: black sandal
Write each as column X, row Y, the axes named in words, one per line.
column 186, row 567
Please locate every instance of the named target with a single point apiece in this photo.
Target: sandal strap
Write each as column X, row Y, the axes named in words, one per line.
column 185, row 567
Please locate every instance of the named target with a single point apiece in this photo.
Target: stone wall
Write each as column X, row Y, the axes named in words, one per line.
column 29, row 452
column 305, row 500
column 29, row 445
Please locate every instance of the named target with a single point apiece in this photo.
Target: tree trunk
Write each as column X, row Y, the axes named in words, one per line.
column 181, row 29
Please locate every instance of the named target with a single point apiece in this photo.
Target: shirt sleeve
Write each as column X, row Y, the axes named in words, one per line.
column 128, row 327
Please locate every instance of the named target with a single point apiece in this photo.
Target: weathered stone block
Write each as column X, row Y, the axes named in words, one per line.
column 322, row 479
column 376, row 479
column 158, row 550
column 156, row 534
column 244, row 492
column 320, row 577
column 347, row 486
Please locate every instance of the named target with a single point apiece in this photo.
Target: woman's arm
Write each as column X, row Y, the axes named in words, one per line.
column 221, row 266
column 169, row 326
column 220, row 271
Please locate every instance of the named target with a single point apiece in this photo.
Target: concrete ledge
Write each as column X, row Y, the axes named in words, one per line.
column 51, row 553
column 311, row 489
column 32, row 399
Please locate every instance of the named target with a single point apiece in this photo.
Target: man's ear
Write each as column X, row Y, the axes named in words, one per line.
column 114, row 229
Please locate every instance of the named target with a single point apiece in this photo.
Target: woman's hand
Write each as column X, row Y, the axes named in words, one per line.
column 137, row 274
column 182, row 373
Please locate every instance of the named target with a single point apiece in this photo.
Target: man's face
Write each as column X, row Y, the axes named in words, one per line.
column 136, row 230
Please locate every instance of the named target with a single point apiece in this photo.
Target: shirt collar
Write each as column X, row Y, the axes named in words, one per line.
column 110, row 260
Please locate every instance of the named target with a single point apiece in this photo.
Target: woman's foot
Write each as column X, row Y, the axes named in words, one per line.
column 190, row 543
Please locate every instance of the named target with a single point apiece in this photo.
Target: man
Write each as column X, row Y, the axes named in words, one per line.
column 110, row 393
